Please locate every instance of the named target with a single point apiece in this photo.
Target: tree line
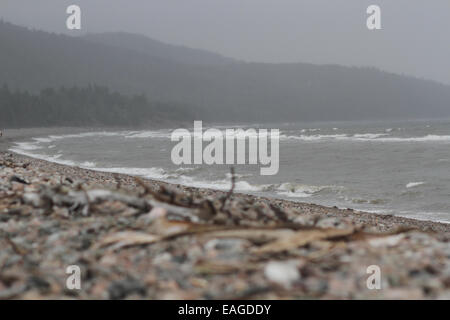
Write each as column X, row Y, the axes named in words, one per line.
column 86, row 106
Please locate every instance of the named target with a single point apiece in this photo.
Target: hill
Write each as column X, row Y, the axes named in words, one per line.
column 158, row 49
column 220, row 89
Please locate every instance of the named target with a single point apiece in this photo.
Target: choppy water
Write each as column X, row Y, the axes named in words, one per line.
column 399, row 167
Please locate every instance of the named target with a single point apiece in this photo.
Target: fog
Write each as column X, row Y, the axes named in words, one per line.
column 414, row 37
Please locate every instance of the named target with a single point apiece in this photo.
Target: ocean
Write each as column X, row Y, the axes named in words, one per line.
column 399, row 168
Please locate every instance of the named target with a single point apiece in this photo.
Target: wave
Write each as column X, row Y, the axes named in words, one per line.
column 25, row 146
column 341, row 137
column 239, row 175
column 53, row 138
column 148, row 134
column 54, row 159
column 180, row 176
column 428, row 138
column 375, row 137
column 177, row 177
column 166, row 134
column 149, row 173
column 296, row 190
column 88, row 164
column 414, row 184
column 310, row 130
column 205, row 135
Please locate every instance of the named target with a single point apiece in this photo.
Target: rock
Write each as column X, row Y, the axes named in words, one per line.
column 333, row 223
column 389, row 241
column 181, row 243
column 155, row 214
column 18, row 180
column 32, row 199
column 123, row 288
column 284, row 273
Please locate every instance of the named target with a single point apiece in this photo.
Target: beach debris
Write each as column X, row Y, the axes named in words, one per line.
column 127, row 238
column 303, row 237
column 256, row 236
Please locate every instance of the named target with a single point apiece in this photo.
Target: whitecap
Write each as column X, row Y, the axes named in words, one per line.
column 375, row 137
column 27, row 146
column 148, row 134
column 296, row 190
column 54, row 158
column 428, row 138
column 150, row 173
column 240, row 186
column 88, row 164
column 414, row 184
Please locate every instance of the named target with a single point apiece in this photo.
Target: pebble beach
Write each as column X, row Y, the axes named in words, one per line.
column 145, row 239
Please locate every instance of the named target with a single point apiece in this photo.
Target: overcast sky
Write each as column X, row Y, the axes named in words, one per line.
column 415, row 38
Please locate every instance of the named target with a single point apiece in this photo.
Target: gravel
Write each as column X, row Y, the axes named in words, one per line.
column 135, row 239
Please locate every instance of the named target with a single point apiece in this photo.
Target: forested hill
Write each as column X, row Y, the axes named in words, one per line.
column 158, row 49
column 222, row 89
column 89, row 106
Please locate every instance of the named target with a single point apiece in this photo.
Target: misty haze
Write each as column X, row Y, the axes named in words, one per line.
column 359, row 167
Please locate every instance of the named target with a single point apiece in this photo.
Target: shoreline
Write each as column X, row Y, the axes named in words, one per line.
column 10, row 136
column 379, row 222
column 146, row 239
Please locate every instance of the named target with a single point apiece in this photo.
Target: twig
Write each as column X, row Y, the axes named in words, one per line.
column 118, row 183
column 230, row 193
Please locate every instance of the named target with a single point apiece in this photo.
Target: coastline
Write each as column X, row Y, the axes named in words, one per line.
column 379, row 222
column 146, row 239
column 10, row 136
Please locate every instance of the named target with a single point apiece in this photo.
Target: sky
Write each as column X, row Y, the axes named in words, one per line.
column 414, row 39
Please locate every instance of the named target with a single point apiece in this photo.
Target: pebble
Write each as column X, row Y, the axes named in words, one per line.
column 50, row 224
column 284, row 273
